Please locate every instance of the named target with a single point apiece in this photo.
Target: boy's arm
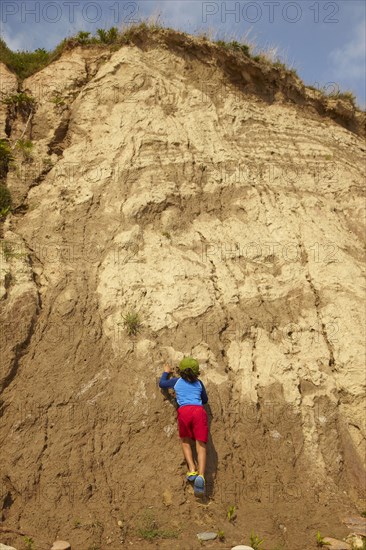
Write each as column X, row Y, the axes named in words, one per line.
column 203, row 394
column 166, row 382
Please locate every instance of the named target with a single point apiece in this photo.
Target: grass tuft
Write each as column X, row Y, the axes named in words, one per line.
column 255, row 541
column 320, row 542
column 149, row 528
column 132, row 323
column 231, row 513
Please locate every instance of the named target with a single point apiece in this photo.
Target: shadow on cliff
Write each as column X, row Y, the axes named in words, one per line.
column 212, row 459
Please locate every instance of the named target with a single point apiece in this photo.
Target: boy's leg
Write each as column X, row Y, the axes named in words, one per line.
column 187, row 451
column 201, row 454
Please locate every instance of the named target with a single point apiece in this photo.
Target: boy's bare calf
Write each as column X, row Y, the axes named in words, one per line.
column 201, row 455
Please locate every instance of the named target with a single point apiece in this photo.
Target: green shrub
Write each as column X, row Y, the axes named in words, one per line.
column 235, row 45
column 19, row 99
column 222, row 44
column 6, row 157
column 108, row 37
column 22, row 102
column 25, row 146
column 5, row 199
column 83, row 37
column 23, row 63
column 244, row 48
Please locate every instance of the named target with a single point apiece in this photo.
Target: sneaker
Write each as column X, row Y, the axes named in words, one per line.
column 191, row 476
column 199, row 486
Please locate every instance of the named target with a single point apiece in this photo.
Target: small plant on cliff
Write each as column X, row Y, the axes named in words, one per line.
column 348, row 96
column 149, row 528
column 108, row 37
column 19, row 100
column 278, row 64
column 4, row 212
column 234, row 45
column 255, row 541
column 244, row 48
column 6, row 157
column 222, row 44
column 20, row 103
column 28, row 543
column 259, row 58
column 231, row 513
column 132, row 323
column 83, row 37
column 58, row 100
column 25, row 146
column 320, row 542
column 221, row 535
column 5, row 199
column 237, row 46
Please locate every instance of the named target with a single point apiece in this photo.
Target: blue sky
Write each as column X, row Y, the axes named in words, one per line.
column 324, row 40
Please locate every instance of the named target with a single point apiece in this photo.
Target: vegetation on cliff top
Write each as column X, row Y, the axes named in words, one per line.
column 25, row 63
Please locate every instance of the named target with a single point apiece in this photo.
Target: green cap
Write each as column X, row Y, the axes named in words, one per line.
column 189, row 363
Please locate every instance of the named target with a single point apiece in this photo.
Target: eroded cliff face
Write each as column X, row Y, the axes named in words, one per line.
column 234, row 226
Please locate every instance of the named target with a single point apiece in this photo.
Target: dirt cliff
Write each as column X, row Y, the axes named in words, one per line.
column 225, row 204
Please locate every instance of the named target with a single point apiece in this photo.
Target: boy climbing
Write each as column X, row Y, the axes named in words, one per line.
column 192, row 418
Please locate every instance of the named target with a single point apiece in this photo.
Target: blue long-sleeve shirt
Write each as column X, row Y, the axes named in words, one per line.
column 187, row 393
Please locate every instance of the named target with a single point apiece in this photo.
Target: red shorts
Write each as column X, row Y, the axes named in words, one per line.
column 192, row 422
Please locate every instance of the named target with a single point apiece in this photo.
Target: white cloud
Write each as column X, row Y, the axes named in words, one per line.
column 349, row 61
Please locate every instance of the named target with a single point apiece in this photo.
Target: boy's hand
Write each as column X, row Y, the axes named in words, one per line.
column 167, row 368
